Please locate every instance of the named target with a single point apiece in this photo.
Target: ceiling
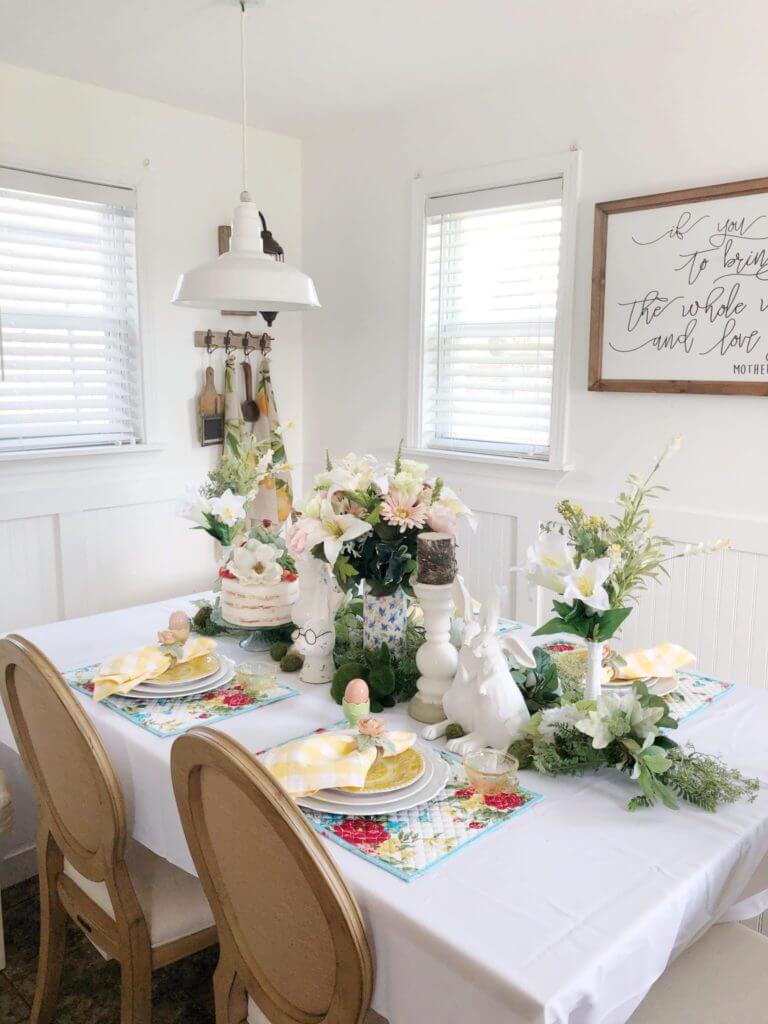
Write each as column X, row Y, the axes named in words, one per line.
column 312, row 61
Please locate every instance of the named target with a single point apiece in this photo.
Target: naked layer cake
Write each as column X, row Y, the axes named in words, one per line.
column 258, row 584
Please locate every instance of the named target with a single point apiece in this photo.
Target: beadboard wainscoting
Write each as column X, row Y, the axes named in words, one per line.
column 85, row 550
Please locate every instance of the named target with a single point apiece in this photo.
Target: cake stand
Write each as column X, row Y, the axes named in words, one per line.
column 256, row 639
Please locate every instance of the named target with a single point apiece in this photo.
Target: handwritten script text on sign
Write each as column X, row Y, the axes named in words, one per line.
column 686, row 292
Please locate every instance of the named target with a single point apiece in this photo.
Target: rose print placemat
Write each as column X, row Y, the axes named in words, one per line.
column 173, row 715
column 695, row 693
column 410, row 843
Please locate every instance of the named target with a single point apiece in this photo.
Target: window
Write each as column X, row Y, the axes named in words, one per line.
column 69, row 356
column 491, row 311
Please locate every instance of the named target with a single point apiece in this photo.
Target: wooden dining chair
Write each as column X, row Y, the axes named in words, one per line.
column 290, row 932
column 131, row 904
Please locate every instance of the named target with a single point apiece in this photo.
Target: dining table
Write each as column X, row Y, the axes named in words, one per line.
column 567, row 916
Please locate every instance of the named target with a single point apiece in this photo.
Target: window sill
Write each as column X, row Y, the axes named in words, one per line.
column 64, row 453
column 499, row 461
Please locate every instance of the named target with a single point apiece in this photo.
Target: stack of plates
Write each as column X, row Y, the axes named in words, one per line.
column 657, row 685
column 394, row 784
column 188, row 679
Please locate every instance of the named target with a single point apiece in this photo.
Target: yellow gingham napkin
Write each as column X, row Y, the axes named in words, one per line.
column 662, row 661
column 328, row 760
column 119, row 675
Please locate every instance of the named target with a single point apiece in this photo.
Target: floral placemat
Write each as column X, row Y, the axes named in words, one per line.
column 173, row 715
column 410, row 843
column 695, row 693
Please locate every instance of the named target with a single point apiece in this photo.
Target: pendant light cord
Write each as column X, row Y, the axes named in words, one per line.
column 244, row 196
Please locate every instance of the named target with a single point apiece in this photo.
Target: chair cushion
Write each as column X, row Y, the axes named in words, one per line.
column 173, row 901
column 721, row 979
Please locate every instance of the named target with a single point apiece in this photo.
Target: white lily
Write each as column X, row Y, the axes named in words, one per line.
column 586, row 584
column 335, row 530
column 549, row 562
column 191, row 505
column 349, row 473
column 228, row 507
column 553, row 718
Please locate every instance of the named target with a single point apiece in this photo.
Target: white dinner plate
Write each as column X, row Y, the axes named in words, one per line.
column 220, row 678
column 371, row 807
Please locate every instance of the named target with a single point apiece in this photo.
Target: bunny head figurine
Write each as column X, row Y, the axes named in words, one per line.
column 484, row 698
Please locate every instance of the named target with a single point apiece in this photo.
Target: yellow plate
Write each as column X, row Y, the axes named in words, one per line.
column 391, row 773
column 188, row 671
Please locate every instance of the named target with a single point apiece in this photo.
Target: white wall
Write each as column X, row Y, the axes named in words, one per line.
column 655, row 111
column 83, row 534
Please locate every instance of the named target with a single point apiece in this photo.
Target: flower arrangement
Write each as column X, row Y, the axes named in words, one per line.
column 220, row 506
column 363, row 519
column 598, row 566
column 624, row 731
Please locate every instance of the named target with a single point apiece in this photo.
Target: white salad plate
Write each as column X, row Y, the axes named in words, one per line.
column 387, row 803
column 223, row 674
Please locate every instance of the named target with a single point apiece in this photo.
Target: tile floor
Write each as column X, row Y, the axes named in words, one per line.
column 90, row 986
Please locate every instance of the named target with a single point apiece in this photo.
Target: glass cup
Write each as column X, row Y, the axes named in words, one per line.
column 492, row 771
column 256, row 677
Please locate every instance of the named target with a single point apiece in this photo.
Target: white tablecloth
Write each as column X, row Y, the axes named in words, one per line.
column 567, row 914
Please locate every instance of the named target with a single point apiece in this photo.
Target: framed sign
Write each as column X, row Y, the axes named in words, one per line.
column 680, row 292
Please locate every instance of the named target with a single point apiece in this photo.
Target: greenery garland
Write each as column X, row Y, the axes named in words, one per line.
column 624, row 732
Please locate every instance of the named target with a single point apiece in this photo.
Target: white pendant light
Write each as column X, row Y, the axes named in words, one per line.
column 246, row 278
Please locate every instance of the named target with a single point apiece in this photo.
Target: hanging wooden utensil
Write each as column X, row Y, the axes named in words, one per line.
column 211, row 412
column 251, row 411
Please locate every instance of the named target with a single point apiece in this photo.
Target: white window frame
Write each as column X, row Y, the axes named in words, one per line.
column 564, row 165
column 115, row 175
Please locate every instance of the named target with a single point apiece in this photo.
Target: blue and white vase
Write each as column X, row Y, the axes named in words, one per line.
column 384, row 620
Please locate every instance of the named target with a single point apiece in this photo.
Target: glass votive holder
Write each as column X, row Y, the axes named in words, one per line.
column 491, row 771
column 257, row 677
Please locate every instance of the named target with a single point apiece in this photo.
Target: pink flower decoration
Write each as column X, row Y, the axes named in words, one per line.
column 166, row 636
column 442, row 520
column 371, row 727
column 296, row 539
column 398, row 510
column 465, row 794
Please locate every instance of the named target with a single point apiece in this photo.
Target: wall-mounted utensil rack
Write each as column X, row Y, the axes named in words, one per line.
column 228, row 340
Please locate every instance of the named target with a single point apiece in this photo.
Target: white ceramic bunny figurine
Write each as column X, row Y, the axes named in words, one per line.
column 484, row 699
column 315, row 633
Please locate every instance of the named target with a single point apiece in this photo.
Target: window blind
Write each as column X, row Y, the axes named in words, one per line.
column 69, row 358
column 490, row 303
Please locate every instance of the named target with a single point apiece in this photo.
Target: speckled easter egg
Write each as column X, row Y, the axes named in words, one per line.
column 178, row 620
column 356, row 691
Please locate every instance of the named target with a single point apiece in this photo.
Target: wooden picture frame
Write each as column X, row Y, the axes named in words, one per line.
column 699, row 251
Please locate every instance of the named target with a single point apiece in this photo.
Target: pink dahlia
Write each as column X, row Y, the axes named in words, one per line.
column 398, row 510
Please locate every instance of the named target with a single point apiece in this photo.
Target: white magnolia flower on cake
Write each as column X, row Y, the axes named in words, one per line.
column 256, row 562
column 549, row 562
column 334, row 530
column 228, row 507
column 586, row 584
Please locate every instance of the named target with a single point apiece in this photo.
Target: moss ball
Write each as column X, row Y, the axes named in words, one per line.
column 278, row 650
column 454, row 731
column 291, row 662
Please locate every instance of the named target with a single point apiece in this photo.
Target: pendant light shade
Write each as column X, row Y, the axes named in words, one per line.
column 246, row 278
